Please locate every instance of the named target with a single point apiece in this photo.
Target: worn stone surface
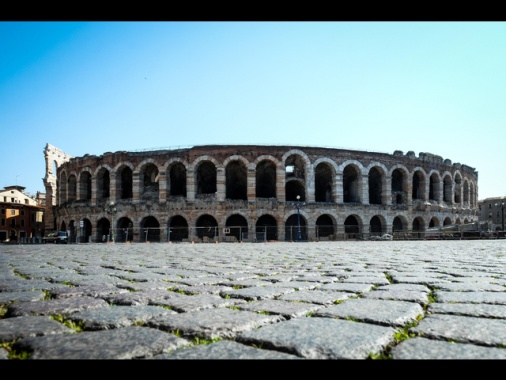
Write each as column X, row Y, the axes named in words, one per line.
column 322, row 338
column 328, row 320
column 123, row 343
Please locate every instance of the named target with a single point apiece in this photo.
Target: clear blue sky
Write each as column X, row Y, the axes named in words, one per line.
column 96, row 87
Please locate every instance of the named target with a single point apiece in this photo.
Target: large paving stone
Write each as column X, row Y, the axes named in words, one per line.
column 322, row 338
column 490, row 332
column 26, row 326
column 225, row 350
column 429, row 349
column 56, row 306
column 385, row 312
column 124, row 343
column 213, row 323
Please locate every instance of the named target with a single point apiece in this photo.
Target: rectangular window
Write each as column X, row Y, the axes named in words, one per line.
column 13, row 212
column 3, row 211
column 22, row 222
column 13, row 222
column 22, row 212
column 3, row 222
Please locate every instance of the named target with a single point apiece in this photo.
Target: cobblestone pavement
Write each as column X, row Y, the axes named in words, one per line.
column 384, row 300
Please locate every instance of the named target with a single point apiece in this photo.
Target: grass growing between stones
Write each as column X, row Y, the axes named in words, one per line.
column 401, row 335
column 77, row 327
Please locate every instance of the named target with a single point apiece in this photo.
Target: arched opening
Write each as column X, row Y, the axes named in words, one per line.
column 375, row 186
column 325, row 227
column 150, row 187
column 351, row 184
column 125, row 231
column 266, row 228
column 323, row 183
column 177, row 178
column 85, row 186
column 351, row 228
column 375, row 226
column 238, row 226
column 206, row 178
column 125, row 185
column 103, row 230
column 236, row 179
column 150, row 228
column 207, row 227
column 292, row 232
column 178, row 228
column 103, row 184
column 265, row 186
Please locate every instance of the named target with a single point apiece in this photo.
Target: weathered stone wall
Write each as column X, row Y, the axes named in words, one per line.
column 213, row 186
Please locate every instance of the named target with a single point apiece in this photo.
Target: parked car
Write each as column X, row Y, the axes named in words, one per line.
column 59, row 237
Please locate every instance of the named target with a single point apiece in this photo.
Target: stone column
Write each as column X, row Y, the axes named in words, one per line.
column 220, row 183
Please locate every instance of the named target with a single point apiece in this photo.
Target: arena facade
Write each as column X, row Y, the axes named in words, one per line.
column 251, row 193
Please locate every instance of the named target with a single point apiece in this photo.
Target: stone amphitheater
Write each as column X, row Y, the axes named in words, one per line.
column 251, row 193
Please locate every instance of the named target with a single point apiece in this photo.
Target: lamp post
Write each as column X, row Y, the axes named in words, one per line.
column 298, row 204
column 111, row 209
column 502, row 213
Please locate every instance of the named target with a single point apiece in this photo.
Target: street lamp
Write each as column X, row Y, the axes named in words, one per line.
column 298, row 204
column 111, row 210
column 502, row 210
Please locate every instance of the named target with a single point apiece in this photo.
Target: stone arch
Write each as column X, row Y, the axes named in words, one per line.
column 324, row 180
column 72, row 187
column 399, row 176
column 447, row 188
column 418, row 184
column 266, row 228
column 418, row 227
column 178, row 228
column 434, row 186
column 266, row 177
column 352, row 183
column 238, row 226
column 124, row 230
column 457, row 189
column 377, row 225
column 325, row 227
column 206, row 176
column 207, row 227
column 150, row 228
column 149, row 180
column 177, row 170
column 85, row 184
column 377, row 183
column 124, row 180
column 236, row 178
column 353, row 227
column 103, row 182
column 62, row 196
column 296, row 174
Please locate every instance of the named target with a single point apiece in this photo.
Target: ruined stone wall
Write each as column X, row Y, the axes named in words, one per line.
column 254, row 187
column 54, row 158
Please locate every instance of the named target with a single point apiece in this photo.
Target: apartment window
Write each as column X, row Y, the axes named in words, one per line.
column 22, row 222
column 490, row 205
column 13, row 223
column 3, row 211
column 3, row 222
column 13, row 212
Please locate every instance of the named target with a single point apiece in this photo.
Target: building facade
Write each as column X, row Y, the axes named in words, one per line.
column 21, row 215
column 492, row 212
column 254, row 193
